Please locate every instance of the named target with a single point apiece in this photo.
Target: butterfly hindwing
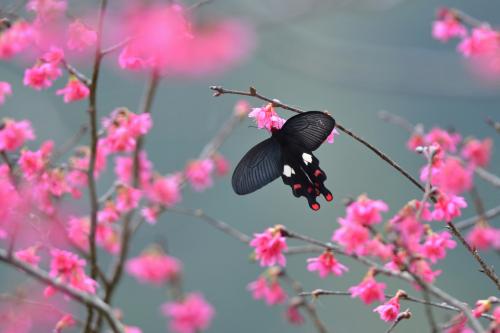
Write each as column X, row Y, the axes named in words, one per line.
column 308, row 129
column 260, row 166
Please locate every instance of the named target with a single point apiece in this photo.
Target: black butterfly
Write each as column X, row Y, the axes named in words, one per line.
column 288, row 153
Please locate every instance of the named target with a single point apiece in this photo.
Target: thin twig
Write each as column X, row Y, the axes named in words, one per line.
column 488, row 176
column 310, row 308
column 76, row 73
column 486, row 269
column 117, row 46
column 494, row 124
column 92, row 111
column 218, row 91
column 401, row 316
column 470, row 222
column 79, row 296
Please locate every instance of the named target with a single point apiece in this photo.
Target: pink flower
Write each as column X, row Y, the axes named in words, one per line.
column 132, row 329
column 326, row 264
column 482, row 307
column 124, row 166
column 28, row 255
column 275, row 293
column 124, row 128
column 193, row 314
column 258, row 288
column 369, row 290
column 448, row 27
column 14, row 134
column 69, row 268
column 293, row 315
column 415, row 140
column 352, row 236
column 109, row 213
column 74, row 91
column 80, row 36
column 65, row 322
column 376, row 248
column 446, row 141
column 423, row 269
column 478, row 152
column 448, row 207
column 41, row 76
column 331, row 136
column 55, row 55
column 153, row 267
column 130, row 59
column 16, row 39
column 366, row 211
column 483, row 40
column 127, row 198
column 166, row 190
column 496, row 315
column 484, row 237
column 47, row 9
column 453, row 177
column 460, row 325
column 5, row 90
column 266, row 117
column 199, row 174
column 222, row 165
column 436, row 244
column 269, row 247
column 389, row 311
column 150, row 214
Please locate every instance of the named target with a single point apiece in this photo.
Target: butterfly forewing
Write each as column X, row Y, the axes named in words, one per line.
column 260, row 166
column 308, row 129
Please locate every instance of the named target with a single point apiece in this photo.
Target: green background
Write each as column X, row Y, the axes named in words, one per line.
column 353, row 58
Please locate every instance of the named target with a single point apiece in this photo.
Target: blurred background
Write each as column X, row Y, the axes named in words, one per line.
column 351, row 57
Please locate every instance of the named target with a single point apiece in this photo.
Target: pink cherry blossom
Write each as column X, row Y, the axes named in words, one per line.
column 153, row 267
column 65, row 322
column 376, row 248
column 127, row 198
column 166, row 190
column 369, row 290
column 352, row 236
column 109, row 213
column 14, row 134
column 199, row 174
column 130, row 59
column 477, row 152
column 483, row 40
column 416, row 140
column 266, row 117
column 453, row 177
column 221, row 164
column 74, row 91
column 29, row 255
column 32, row 163
column 41, row 76
column 483, row 237
column 423, row 269
column 69, row 268
column 448, row 208
column 269, row 247
column 448, row 26
column 331, row 136
column 275, row 293
column 80, row 36
column 496, row 315
column 242, row 108
column 47, row 9
column 192, row 314
column 293, row 315
column 326, row 264
column 366, row 211
column 389, row 311
column 16, row 39
column 55, row 55
column 132, row 329
column 5, row 90
column 436, row 244
column 446, row 140
column 124, row 166
column 258, row 288
column 150, row 214
column 123, row 128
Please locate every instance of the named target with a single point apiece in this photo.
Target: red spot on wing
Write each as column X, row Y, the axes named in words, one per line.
column 297, row 187
column 317, row 173
column 329, row 197
column 315, row 206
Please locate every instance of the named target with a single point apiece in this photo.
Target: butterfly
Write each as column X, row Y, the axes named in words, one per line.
column 288, row 153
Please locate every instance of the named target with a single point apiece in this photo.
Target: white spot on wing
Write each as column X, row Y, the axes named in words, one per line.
column 307, row 158
column 288, row 171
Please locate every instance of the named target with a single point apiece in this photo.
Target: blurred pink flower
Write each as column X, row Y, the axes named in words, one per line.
column 199, row 174
column 5, row 90
column 452, row 177
column 293, row 315
column 483, row 237
column 447, row 26
column 331, row 136
column 166, row 190
column 80, row 36
column 389, row 311
column 483, row 40
column 266, row 117
column 366, row 211
column 74, row 91
column 41, row 76
column 16, row 39
column 29, row 255
column 127, row 198
column 477, row 152
column 14, row 134
column 65, row 322
column 154, row 267
column 448, row 208
column 369, row 290
column 352, row 236
column 436, row 244
column 191, row 315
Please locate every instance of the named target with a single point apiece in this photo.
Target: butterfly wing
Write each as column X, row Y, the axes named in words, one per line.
column 308, row 129
column 260, row 166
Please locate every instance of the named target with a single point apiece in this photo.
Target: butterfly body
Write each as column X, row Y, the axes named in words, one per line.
column 288, row 153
